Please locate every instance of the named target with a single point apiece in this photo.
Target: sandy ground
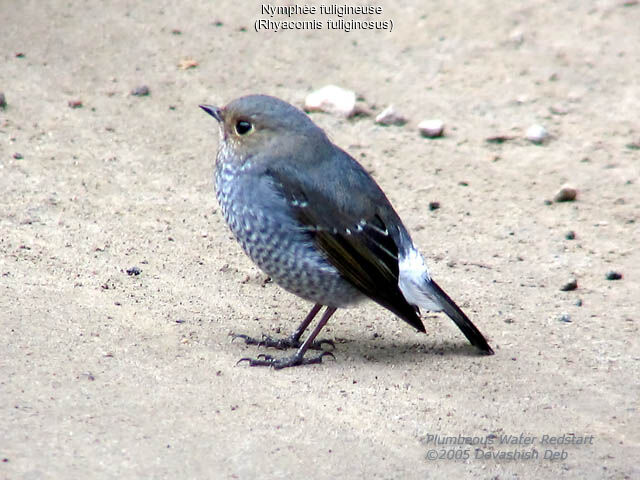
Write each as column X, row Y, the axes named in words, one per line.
column 105, row 374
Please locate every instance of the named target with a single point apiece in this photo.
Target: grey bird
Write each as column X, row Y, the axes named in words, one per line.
column 316, row 222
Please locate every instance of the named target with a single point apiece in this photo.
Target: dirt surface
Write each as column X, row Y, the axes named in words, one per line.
column 109, row 374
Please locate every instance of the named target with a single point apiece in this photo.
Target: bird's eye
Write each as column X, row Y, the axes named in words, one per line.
column 243, row 127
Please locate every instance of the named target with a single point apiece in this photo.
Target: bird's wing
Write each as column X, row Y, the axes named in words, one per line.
column 347, row 226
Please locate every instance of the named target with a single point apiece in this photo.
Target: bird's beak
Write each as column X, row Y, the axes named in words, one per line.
column 215, row 112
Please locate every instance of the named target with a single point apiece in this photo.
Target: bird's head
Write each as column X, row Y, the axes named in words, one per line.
column 262, row 125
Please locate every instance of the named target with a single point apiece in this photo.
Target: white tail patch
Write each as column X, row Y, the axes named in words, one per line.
column 414, row 281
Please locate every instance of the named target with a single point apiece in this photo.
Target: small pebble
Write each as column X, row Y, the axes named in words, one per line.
column 558, row 109
column 567, row 193
column 613, row 275
column 434, row 206
column 75, row 103
column 134, row 271
column 431, row 128
column 140, row 91
column 517, row 37
column 500, row 138
column 331, row 99
column 17, row 156
column 537, row 134
column 389, row 116
column 570, row 285
column 187, row 63
column 565, row 317
column 3, row 101
column 570, row 235
column 579, row 302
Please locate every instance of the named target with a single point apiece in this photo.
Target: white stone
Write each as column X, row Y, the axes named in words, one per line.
column 389, row 116
column 331, row 99
column 536, row 134
column 517, row 37
column 431, row 128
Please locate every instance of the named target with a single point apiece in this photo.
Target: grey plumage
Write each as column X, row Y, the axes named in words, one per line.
column 315, row 221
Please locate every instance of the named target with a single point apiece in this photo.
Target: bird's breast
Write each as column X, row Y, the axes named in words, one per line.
column 263, row 224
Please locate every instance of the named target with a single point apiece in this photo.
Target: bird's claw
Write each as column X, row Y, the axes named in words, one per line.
column 262, row 357
column 239, row 335
column 318, row 345
column 280, row 343
column 264, row 360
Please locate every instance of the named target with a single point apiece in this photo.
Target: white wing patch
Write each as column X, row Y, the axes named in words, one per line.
column 414, row 281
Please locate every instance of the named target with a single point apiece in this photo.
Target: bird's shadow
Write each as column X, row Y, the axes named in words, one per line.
column 387, row 351
column 402, row 351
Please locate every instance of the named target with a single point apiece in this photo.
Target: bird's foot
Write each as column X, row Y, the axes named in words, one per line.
column 294, row 360
column 281, row 343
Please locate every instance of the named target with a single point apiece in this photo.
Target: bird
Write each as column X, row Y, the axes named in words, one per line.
column 316, row 222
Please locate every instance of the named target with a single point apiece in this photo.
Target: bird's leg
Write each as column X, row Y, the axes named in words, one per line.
column 295, row 338
column 289, row 342
column 298, row 357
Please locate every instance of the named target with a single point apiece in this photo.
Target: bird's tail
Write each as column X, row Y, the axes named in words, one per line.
column 458, row 316
column 420, row 290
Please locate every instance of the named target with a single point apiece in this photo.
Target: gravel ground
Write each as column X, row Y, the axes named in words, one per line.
column 107, row 371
